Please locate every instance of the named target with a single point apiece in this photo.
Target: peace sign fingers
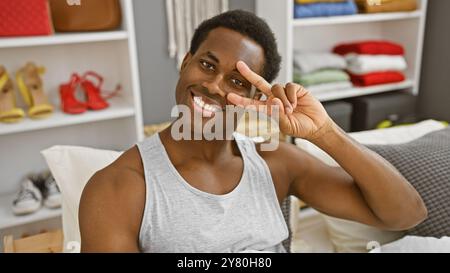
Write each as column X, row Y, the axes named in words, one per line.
column 259, row 82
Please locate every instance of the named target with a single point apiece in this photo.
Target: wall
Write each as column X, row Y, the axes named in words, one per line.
column 434, row 96
column 158, row 72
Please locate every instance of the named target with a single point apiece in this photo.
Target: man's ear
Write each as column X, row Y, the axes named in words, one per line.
column 186, row 60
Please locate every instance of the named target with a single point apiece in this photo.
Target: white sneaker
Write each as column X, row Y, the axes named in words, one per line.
column 28, row 200
column 52, row 195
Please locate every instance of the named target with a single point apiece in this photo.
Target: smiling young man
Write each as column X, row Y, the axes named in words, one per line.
column 167, row 195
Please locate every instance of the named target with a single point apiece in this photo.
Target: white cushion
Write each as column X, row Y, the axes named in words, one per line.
column 348, row 236
column 72, row 167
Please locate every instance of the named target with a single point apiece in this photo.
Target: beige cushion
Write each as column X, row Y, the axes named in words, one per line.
column 348, row 236
column 72, row 167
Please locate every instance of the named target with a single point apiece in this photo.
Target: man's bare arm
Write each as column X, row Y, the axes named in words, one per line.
column 367, row 188
column 111, row 210
column 373, row 188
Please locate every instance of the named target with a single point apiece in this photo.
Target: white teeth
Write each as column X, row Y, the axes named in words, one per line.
column 212, row 108
column 199, row 101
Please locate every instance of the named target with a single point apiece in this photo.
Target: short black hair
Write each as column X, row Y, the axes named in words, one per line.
column 247, row 24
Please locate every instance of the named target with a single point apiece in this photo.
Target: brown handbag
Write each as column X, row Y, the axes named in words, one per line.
column 85, row 15
column 372, row 6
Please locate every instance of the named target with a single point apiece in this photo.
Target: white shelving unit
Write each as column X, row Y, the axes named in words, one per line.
column 117, row 110
column 357, row 18
column 357, row 91
column 9, row 220
column 63, row 38
column 113, row 55
column 323, row 33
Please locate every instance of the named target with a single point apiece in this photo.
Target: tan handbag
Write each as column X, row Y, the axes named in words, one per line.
column 85, row 15
column 375, row 6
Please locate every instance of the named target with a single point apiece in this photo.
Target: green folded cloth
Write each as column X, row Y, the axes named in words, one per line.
column 320, row 77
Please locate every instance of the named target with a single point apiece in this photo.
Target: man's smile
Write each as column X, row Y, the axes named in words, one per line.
column 204, row 105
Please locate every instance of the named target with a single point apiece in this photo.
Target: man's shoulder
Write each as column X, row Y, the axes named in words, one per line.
column 285, row 150
column 124, row 175
column 112, row 203
column 287, row 158
column 129, row 161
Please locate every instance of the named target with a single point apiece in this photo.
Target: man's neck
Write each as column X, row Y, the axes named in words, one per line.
column 205, row 150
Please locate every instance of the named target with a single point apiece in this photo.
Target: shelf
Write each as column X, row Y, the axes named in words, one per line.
column 362, row 91
column 118, row 109
column 8, row 219
column 111, row 53
column 63, row 38
column 358, row 18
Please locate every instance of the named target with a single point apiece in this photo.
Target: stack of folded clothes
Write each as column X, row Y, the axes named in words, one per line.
column 373, row 62
column 321, row 72
column 374, row 6
column 320, row 8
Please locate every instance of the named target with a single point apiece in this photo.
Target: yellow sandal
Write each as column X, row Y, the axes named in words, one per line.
column 32, row 91
column 9, row 113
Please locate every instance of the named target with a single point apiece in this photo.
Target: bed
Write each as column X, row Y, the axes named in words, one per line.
column 315, row 232
column 311, row 231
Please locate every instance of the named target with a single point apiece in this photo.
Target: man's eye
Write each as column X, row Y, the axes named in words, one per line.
column 237, row 82
column 207, row 65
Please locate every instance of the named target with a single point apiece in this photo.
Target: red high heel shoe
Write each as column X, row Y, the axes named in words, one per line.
column 69, row 104
column 94, row 98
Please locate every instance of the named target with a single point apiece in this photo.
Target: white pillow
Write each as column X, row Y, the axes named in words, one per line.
column 348, row 236
column 352, row 237
column 72, row 167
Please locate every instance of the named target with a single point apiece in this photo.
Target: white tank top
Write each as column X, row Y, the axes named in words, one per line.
column 181, row 218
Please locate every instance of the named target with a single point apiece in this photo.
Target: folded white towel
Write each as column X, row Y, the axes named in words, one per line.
column 310, row 62
column 363, row 64
column 415, row 244
column 327, row 87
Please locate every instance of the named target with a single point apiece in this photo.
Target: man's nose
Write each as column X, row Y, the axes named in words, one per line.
column 214, row 86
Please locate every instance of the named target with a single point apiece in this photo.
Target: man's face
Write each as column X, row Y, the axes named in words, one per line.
column 210, row 74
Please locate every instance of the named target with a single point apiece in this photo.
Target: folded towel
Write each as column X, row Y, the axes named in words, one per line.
column 377, row 78
column 328, row 87
column 370, row 48
column 416, row 244
column 310, row 62
column 321, row 76
column 371, row 6
column 325, row 9
column 364, row 64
